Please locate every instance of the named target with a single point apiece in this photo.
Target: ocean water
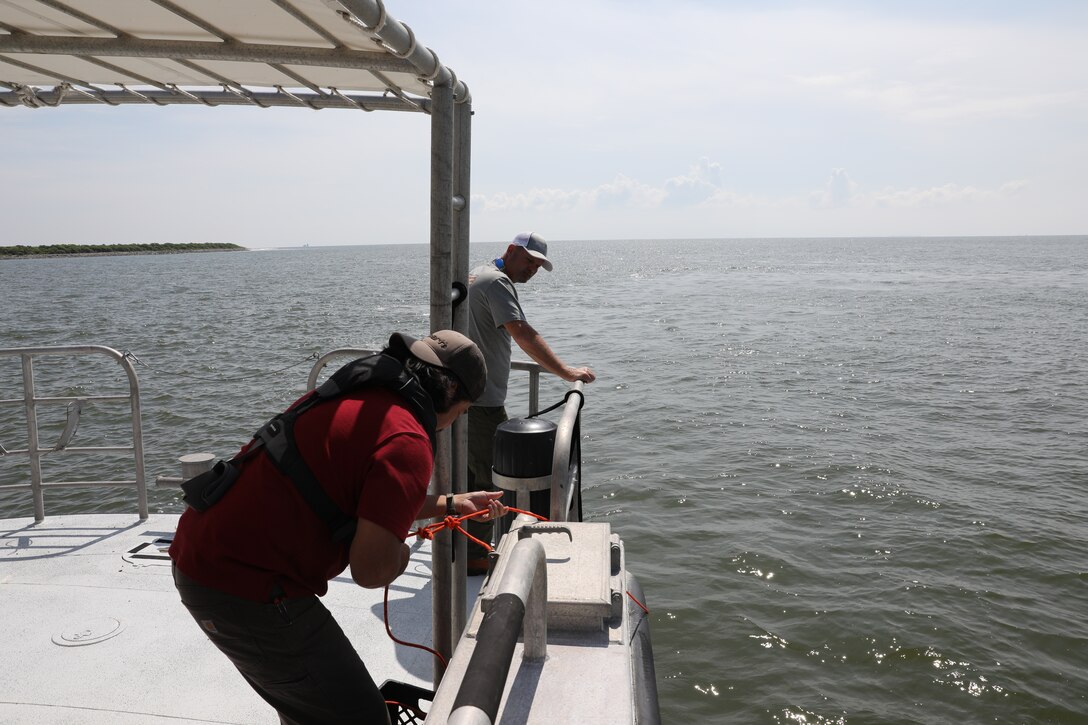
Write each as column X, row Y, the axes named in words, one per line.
column 851, row 474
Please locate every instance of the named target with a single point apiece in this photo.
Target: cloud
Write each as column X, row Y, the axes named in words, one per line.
column 702, row 182
column 625, row 192
column 841, row 191
column 953, row 98
column 621, row 192
column 700, row 188
column 923, row 70
column 837, row 192
column 944, row 195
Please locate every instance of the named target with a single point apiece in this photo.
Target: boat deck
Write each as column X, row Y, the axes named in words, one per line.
column 95, row 633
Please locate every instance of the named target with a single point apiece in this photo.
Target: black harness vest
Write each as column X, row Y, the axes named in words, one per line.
column 276, row 438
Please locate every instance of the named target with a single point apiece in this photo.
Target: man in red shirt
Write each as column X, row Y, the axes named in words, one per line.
column 250, row 568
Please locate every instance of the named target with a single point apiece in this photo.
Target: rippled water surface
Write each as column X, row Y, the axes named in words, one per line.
column 851, row 474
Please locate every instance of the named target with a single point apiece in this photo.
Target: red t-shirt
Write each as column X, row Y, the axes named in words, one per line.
column 371, row 456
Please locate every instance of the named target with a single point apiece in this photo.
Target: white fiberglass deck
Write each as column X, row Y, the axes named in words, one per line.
column 94, row 631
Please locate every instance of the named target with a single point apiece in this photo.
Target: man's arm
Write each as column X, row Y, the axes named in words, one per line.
column 530, row 341
column 377, row 557
column 464, row 503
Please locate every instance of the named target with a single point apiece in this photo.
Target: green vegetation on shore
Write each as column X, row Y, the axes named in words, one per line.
column 22, row 250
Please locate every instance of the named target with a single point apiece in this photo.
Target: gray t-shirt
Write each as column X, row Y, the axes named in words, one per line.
column 492, row 302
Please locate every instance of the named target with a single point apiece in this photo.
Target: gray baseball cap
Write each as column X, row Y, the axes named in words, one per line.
column 535, row 245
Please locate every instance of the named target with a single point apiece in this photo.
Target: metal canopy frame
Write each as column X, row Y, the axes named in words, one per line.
column 310, row 54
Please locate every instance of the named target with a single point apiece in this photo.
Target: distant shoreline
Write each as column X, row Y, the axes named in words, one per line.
column 112, row 250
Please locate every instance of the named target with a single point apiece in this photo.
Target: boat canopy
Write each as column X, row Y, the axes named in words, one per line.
column 307, row 53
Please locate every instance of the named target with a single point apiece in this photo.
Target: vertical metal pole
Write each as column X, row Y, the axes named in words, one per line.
column 442, row 318
column 137, row 437
column 32, row 439
column 534, row 391
column 462, row 156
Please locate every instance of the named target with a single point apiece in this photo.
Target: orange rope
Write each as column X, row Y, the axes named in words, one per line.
column 416, row 712
column 637, row 602
column 427, row 532
column 389, row 631
column 454, row 524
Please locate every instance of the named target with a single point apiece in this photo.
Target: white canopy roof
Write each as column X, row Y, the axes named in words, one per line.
column 315, row 53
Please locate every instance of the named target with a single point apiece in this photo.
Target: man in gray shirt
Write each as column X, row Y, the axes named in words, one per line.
column 495, row 318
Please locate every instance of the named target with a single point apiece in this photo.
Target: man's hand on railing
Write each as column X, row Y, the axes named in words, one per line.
column 572, row 374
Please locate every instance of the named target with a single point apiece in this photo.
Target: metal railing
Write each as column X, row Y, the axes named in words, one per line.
column 532, row 368
column 566, row 488
column 30, row 401
column 520, row 606
column 534, row 371
column 353, row 352
column 567, row 455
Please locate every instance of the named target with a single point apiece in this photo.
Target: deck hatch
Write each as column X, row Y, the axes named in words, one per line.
column 150, row 550
column 90, row 632
column 579, row 558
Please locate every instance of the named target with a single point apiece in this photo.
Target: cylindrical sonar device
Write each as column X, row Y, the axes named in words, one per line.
column 522, row 465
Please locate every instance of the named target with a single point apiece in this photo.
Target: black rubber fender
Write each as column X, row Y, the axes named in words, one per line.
column 643, row 673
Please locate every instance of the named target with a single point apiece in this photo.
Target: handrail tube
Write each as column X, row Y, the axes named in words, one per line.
column 559, row 504
column 568, row 500
column 311, row 380
column 532, row 368
column 27, row 354
column 65, row 399
column 534, row 391
column 71, row 484
column 32, row 437
column 521, row 604
column 71, row 449
column 534, row 371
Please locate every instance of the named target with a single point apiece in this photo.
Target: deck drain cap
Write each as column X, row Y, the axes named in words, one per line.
column 92, row 632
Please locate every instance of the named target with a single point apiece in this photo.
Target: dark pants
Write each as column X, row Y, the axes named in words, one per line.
column 293, row 653
column 482, row 422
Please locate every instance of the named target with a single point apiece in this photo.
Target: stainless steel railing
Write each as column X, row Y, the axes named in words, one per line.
column 30, row 401
column 348, row 352
column 567, row 455
column 567, row 460
column 520, row 607
column 532, row 368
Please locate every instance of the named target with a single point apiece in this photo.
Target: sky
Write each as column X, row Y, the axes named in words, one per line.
column 615, row 119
